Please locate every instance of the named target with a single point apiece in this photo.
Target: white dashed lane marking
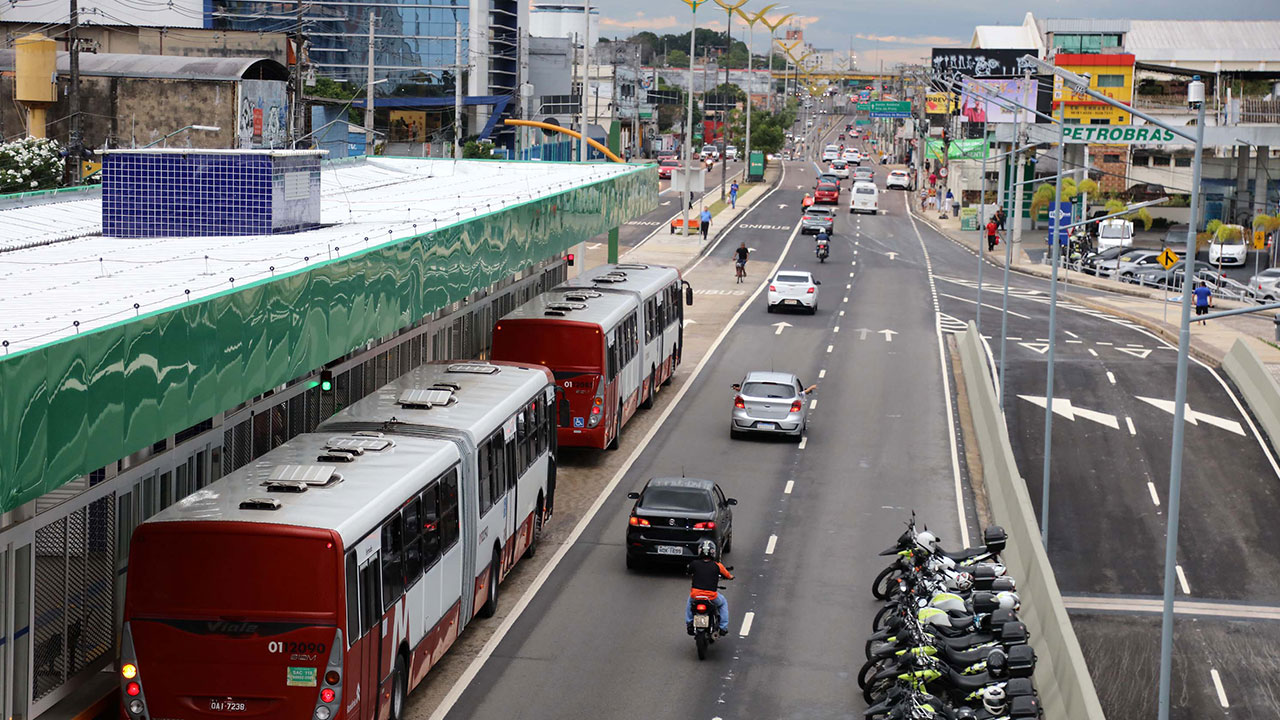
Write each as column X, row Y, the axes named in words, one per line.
column 787, row 490
column 773, row 543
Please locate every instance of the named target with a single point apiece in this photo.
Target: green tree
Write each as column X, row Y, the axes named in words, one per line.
column 768, row 138
column 677, row 59
column 473, row 150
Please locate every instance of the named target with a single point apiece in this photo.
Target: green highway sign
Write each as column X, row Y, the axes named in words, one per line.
column 1122, row 135
column 886, row 108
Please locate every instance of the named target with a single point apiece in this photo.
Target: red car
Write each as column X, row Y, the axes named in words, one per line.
column 827, row 193
column 665, row 167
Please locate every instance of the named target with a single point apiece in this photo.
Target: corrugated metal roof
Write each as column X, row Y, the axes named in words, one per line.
column 1084, row 25
column 173, row 67
column 1165, row 41
column 29, row 226
column 362, row 203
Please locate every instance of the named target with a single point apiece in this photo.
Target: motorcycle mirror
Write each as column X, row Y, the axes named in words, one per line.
column 736, row 386
column 731, row 501
column 633, row 495
column 817, row 282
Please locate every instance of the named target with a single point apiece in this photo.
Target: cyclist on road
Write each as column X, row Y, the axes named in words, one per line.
column 740, row 260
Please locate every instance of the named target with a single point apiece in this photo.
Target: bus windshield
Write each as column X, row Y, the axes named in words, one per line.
column 558, row 346
column 239, row 570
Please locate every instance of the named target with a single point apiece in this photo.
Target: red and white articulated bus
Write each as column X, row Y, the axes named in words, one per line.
column 326, row 578
column 606, row 348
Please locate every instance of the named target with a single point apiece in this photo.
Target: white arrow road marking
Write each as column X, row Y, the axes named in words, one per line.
column 593, row 246
column 1195, row 417
column 665, row 203
column 1063, row 407
column 782, row 206
column 781, row 326
column 862, row 333
column 1041, row 348
column 687, row 323
column 888, row 334
column 1140, row 353
column 892, row 255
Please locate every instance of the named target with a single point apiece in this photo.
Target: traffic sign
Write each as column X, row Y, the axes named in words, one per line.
column 886, row 109
column 1168, row 258
column 1063, row 214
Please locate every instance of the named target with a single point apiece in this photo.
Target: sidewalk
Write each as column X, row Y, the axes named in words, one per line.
column 1146, row 306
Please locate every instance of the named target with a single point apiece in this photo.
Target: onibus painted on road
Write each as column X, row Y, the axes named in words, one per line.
column 611, row 336
column 325, row 579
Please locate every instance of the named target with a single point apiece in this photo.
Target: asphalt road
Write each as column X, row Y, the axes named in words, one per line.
column 598, row 640
column 1109, row 486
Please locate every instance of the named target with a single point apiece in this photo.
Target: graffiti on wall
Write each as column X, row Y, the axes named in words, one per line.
column 262, row 117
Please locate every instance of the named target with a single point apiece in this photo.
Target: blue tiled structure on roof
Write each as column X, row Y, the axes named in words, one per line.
column 176, row 193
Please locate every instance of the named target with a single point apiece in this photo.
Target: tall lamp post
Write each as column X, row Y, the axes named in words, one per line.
column 729, row 9
column 688, row 132
column 773, row 28
column 751, row 21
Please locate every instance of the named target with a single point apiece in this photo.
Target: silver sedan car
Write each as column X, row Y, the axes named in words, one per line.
column 770, row 402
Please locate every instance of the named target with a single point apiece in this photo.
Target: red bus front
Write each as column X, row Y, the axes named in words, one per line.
column 575, row 353
column 233, row 619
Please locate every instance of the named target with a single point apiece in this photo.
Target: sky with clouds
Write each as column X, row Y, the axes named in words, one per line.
column 905, row 30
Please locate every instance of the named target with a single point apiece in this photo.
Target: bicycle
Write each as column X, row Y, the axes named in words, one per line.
column 740, row 270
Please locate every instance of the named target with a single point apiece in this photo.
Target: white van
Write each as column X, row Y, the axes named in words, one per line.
column 1114, row 233
column 864, row 198
column 1228, row 246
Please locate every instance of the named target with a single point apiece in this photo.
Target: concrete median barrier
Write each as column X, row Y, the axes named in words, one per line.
column 1260, row 389
column 1061, row 677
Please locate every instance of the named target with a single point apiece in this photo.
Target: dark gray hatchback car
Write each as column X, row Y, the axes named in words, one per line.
column 672, row 515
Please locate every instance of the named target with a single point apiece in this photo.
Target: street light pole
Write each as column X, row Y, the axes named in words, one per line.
column 688, row 130
column 1053, row 326
column 1195, row 95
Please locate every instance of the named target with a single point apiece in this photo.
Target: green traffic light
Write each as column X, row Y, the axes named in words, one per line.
column 326, row 386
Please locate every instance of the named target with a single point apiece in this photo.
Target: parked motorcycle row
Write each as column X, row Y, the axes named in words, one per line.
column 947, row 644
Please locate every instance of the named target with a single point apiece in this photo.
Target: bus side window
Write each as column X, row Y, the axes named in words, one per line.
column 483, row 463
column 497, row 466
column 392, row 550
column 370, row 602
column 431, row 525
column 353, row 600
column 448, row 509
column 411, row 516
column 611, row 361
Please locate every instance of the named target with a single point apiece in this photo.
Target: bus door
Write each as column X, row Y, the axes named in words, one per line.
column 510, row 501
column 363, row 698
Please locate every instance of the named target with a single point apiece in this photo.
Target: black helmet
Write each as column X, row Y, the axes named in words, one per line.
column 707, row 548
column 998, row 664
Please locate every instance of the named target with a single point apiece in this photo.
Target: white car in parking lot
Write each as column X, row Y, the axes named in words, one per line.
column 898, row 179
column 793, row 289
column 1228, row 246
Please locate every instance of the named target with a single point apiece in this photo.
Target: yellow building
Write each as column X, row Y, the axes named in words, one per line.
column 1109, row 74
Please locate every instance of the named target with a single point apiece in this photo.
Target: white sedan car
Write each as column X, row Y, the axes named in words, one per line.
column 839, row 168
column 898, row 179
column 851, row 155
column 794, row 289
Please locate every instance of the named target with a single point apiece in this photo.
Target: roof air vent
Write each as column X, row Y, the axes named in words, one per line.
column 311, row 475
column 631, row 266
column 260, row 504
column 362, row 442
column 426, row 399
column 473, row 368
column 566, row 306
column 286, row 486
column 582, row 295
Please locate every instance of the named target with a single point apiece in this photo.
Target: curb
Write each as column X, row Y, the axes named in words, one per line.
column 1165, row 333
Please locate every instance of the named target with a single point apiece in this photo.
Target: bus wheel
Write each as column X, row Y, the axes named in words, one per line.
column 398, row 684
column 537, row 531
column 653, row 389
column 491, row 598
column 617, row 429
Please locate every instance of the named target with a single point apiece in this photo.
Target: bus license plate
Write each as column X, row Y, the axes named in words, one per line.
column 670, row 550
column 702, row 621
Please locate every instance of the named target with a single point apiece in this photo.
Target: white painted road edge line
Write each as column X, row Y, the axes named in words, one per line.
column 773, row 543
column 491, row 645
column 1182, row 580
column 1111, row 378
column 946, row 385
column 747, row 619
column 822, row 373
column 1154, row 497
column 804, row 442
column 790, row 486
column 1217, row 685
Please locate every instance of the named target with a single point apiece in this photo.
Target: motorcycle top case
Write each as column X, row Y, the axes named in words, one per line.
column 1002, row 584
column 1024, row 707
column 995, row 538
column 985, row 602
column 1012, row 633
column 1000, row 617
column 1019, row 687
column 1022, row 661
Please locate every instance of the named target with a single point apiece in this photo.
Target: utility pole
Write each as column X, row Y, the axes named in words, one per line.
column 74, row 140
column 458, row 69
column 368, row 91
column 688, row 130
column 582, row 114
column 299, row 115
column 586, row 78
column 724, row 111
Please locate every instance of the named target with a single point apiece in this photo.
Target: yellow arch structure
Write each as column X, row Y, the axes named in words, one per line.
column 566, row 131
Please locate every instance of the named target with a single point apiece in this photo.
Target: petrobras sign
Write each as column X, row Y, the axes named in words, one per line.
column 1121, row 135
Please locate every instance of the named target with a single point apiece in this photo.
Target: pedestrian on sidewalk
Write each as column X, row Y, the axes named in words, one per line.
column 933, row 179
column 992, row 238
column 704, row 222
column 1000, row 217
column 952, row 203
column 1203, row 297
column 733, row 195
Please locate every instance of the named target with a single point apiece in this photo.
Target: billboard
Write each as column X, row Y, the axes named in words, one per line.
column 263, row 117
column 939, row 103
column 981, row 63
column 975, row 107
